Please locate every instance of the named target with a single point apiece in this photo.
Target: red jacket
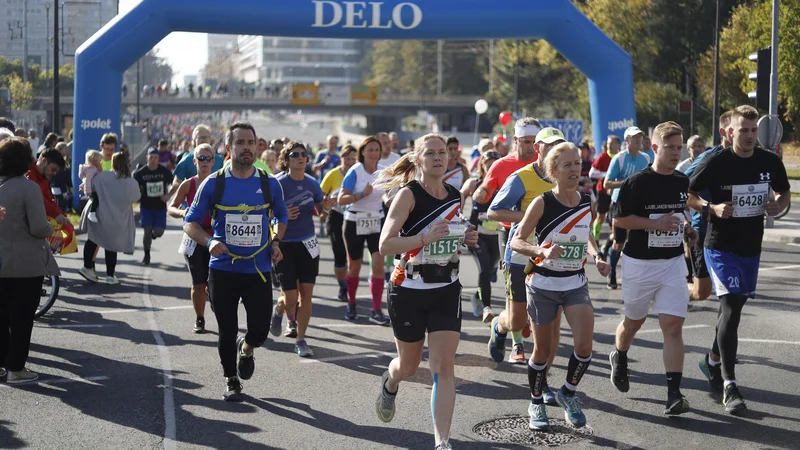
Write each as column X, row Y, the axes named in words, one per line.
column 50, row 205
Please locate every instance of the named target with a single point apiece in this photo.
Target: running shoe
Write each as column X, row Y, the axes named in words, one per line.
column 497, row 343
column 733, row 400
column 23, row 376
column 517, row 355
column 352, row 312
column 275, row 323
column 247, row 363
column 233, row 390
column 572, row 408
column 302, row 349
column 548, row 396
column 89, row 274
column 384, row 405
column 526, row 332
column 2, row 372
column 476, row 305
column 342, row 295
column 612, row 282
column 112, row 280
column 538, row 417
column 488, row 315
column 146, row 260
column 676, row 404
column 199, row 325
column 444, row 445
column 712, row 373
column 291, row 329
column 378, row 317
column 619, row 373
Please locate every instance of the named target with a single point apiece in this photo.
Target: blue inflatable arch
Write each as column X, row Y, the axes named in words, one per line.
column 101, row 61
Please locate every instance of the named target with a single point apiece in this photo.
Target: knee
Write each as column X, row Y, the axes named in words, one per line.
column 158, row 232
column 631, row 325
column 407, row 370
column 443, row 367
column 672, row 328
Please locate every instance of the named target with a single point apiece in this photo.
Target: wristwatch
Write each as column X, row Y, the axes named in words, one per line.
column 276, row 240
column 706, row 210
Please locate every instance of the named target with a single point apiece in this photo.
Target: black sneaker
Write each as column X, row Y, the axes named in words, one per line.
column 233, row 391
column 146, row 260
column 352, row 312
column 291, row 330
column 247, row 364
column 619, row 373
column 612, row 282
column 343, row 297
column 199, row 325
column 733, row 401
column 676, row 404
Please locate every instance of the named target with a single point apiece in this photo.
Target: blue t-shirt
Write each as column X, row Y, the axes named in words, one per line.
column 237, row 192
column 624, row 165
column 698, row 223
column 186, row 168
column 649, row 152
column 333, row 161
column 303, row 194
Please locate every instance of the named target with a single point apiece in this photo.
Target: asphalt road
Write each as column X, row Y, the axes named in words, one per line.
column 120, row 368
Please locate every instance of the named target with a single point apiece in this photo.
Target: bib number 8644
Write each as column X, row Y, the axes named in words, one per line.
column 243, row 230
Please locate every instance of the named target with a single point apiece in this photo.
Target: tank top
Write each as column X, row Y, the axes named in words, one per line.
column 370, row 206
column 427, row 210
column 206, row 224
column 455, row 177
column 478, row 217
column 568, row 227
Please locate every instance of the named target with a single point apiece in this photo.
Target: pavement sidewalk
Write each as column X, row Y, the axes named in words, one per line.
column 786, row 230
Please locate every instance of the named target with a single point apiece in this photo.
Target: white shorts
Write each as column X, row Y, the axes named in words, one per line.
column 657, row 282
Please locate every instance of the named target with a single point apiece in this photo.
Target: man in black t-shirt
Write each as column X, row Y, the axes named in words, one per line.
column 738, row 179
column 650, row 206
column 154, row 181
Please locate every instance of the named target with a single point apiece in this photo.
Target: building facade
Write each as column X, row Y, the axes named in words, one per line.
column 273, row 61
column 79, row 20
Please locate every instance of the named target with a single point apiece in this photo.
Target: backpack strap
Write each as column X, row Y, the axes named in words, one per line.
column 264, row 178
column 219, row 189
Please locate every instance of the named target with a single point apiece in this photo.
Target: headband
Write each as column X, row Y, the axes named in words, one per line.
column 527, row 130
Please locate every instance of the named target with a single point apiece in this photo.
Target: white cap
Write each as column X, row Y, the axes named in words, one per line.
column 632, row 131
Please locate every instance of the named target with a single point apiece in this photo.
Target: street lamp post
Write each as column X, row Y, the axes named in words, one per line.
column 715, row 109
column 47, row 46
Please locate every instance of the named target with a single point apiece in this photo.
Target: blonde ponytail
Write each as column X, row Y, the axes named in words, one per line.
column 404, row 170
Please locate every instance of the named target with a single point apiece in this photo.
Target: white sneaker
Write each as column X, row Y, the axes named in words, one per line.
column 2, row 372
column 112, row 280
column 92, row 217
column 488, row 315
column 89, row 274
column 23, row 376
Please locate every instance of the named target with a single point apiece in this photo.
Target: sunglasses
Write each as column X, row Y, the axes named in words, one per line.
column 204, row 158
column 492, row 155
column 298, row 154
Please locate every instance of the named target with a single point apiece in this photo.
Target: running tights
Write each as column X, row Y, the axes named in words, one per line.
column 727, row 341
column 88, row 258
column 488, row 255
column 149, row 234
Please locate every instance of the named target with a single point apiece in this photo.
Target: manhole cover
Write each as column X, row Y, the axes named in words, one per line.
column 514, row 430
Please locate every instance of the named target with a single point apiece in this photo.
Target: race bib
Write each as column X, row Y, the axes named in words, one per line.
column 574, row 251
column 443, row 250
column 312, row 245
column 188, row 245
column 155, row 189
column 243, row 230
column 750, row 200
column 666, row 239
column 368, row 223
column 55, row 190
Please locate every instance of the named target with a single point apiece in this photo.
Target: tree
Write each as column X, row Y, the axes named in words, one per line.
column 21, row 93
column 153, row 69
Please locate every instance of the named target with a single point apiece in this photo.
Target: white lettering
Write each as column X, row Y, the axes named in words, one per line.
column 96, row 124
column 320, row 16
column 397, row 16
column 376, row 17
column 351, row 14
column 620, row 124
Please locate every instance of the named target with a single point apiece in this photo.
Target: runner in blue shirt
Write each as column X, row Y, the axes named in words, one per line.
column 623, row 165
column 300, row 266
column 328, row 160
column 241, row 251
column 186, row 168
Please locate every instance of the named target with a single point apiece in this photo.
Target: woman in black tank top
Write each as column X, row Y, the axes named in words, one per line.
column 488, row 252
column 424, row 228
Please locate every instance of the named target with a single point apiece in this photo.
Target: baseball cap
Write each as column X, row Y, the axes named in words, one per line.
column 632, row 131
column 152, row 151
column 550, row 135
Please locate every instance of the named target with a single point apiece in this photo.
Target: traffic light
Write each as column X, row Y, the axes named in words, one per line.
column 763, row 60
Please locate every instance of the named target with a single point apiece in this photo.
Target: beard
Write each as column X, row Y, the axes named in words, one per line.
column 244, row 162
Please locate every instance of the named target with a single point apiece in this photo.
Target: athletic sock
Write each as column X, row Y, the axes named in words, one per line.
column 596, row 227
column 342, row 284
column 352, row 287
column 575, row 369
column 674, row 382
column 376, row 287
column 517, row 337
column 727, row 382
column 290, row 317
column 537, row 380
column 498, row 331
column 711, row 362
column 623, row 357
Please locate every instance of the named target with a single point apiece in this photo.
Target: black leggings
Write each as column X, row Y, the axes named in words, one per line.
column 336, row 235
column 487, row 255
column 19, row 298
column 88, row 258
column 726, row 343
column 225, row 289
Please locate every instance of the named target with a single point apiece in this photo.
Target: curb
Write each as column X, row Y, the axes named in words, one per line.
column 776, row 237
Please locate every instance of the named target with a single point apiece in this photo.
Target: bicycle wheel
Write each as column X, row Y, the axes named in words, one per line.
column 784, row 212
column 50, row 287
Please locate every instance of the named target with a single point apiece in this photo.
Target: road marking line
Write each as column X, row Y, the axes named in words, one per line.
column 60, row 381
column 170, row 434
column 795, row 266
column 768, row 341
column 348, row 357
column 793, row 244
column 80, row 326
column 167, row 308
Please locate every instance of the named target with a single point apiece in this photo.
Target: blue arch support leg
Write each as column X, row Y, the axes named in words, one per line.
column 100, row 61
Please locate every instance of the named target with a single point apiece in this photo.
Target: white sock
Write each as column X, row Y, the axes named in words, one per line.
column 727, row 382
column 713, row 363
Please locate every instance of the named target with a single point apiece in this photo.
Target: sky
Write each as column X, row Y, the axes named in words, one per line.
column 173, row 49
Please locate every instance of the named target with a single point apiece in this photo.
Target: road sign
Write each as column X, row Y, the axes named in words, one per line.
column 305, row 94
column 572, row 129
column 770, row 132
column 364, row 95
